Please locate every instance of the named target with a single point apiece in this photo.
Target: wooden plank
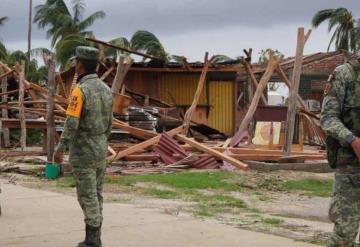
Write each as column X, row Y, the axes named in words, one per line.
column 211, row 151
column 121, row 71
column 62, row 85
column 139, row 133
column 9, row 92
column 146, row 144
column 290, row 120
column 190, row 112
column 6, row 74
column 252, row 80
column 107, row 73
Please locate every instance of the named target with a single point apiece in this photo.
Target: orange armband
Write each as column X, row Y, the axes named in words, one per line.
column 76, row 103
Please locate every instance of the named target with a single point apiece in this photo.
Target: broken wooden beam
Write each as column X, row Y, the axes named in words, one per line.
column 212, row 152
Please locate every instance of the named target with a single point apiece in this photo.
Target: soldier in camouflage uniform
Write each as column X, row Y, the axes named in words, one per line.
column 87, row 127
column 340, row 118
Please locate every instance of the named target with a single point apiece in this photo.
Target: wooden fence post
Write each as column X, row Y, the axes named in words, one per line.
column 4, row 112
column 294, row 89
column 21, row 107
column 50, row 125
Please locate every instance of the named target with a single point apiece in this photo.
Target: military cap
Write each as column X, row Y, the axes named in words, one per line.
column 87, row 52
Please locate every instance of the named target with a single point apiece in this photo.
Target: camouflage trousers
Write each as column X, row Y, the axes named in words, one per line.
column 344, row 210
column 89, row 179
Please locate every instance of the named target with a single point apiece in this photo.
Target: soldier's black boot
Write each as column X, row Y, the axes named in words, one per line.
column 100, row 244
column 92, row 237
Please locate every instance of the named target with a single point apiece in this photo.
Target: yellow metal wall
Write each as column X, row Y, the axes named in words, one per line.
column 182, row 87
column 221, row 97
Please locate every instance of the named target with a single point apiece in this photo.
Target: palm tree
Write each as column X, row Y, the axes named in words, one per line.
column 3, row 19
column 141, row 40
column 66, row 28
column 346, row 32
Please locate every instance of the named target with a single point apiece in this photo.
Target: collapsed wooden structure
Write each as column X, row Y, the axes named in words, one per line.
column 180, row 146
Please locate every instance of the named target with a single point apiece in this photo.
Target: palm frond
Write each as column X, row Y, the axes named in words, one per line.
column 88, row 21
column 112, row 52
column 321, row 16
column 78, row 9
column 149, row 43
column 39, row 52
column 65, row 48
column 3, row 20
column 221, row 58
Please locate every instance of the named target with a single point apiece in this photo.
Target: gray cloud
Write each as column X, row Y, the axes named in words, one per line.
column 229, row 25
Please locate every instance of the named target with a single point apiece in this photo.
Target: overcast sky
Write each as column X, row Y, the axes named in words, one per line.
column 191, row 27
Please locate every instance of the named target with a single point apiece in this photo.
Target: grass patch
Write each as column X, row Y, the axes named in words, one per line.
column 313, row 187
column 66, row 182
column 211, row 205
column 272, row 221
column 163, row 194
column 184, row 180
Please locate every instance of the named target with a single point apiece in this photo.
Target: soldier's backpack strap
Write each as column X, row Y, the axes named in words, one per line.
column 354, row 68
column 332, row 144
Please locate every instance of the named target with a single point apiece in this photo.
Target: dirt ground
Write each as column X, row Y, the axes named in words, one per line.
column 272, row 205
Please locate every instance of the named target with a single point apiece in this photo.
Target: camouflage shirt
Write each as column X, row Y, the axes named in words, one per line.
column 343, row 92
column 89, row 120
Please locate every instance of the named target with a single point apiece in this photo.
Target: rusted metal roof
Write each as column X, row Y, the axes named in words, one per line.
column 170, row 152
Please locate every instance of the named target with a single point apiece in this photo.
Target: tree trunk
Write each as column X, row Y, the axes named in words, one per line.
column 29, row 33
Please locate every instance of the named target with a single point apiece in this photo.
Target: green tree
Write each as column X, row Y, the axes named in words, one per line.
column 66, row 27
column 34, row 72
column 141, row 40
column 346, row 28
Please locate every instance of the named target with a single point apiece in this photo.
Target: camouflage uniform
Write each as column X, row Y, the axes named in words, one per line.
column 340, row 118
column 87, row 127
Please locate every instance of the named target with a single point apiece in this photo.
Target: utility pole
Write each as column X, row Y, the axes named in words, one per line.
column 29, row 33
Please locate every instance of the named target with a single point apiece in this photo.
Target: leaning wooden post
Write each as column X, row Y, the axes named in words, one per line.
column 21, row 107
column 4, row 112
column 190, row 112
column 294, row 89
column 121, row 71
column 273, row 62
column 50, row 124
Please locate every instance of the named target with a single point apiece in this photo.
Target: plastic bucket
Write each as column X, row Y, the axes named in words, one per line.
column 52, row 171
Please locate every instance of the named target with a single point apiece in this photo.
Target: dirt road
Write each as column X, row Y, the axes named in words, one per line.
column 39, row 218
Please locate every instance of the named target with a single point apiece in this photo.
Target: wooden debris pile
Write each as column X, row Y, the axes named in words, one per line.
column 43, row 108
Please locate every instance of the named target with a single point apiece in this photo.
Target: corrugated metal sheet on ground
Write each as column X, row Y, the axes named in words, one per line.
column 171, row 152
column 182, row 87
column 221, row 97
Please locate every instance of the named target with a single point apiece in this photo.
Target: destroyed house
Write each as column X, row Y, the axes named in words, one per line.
column 224, row 100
